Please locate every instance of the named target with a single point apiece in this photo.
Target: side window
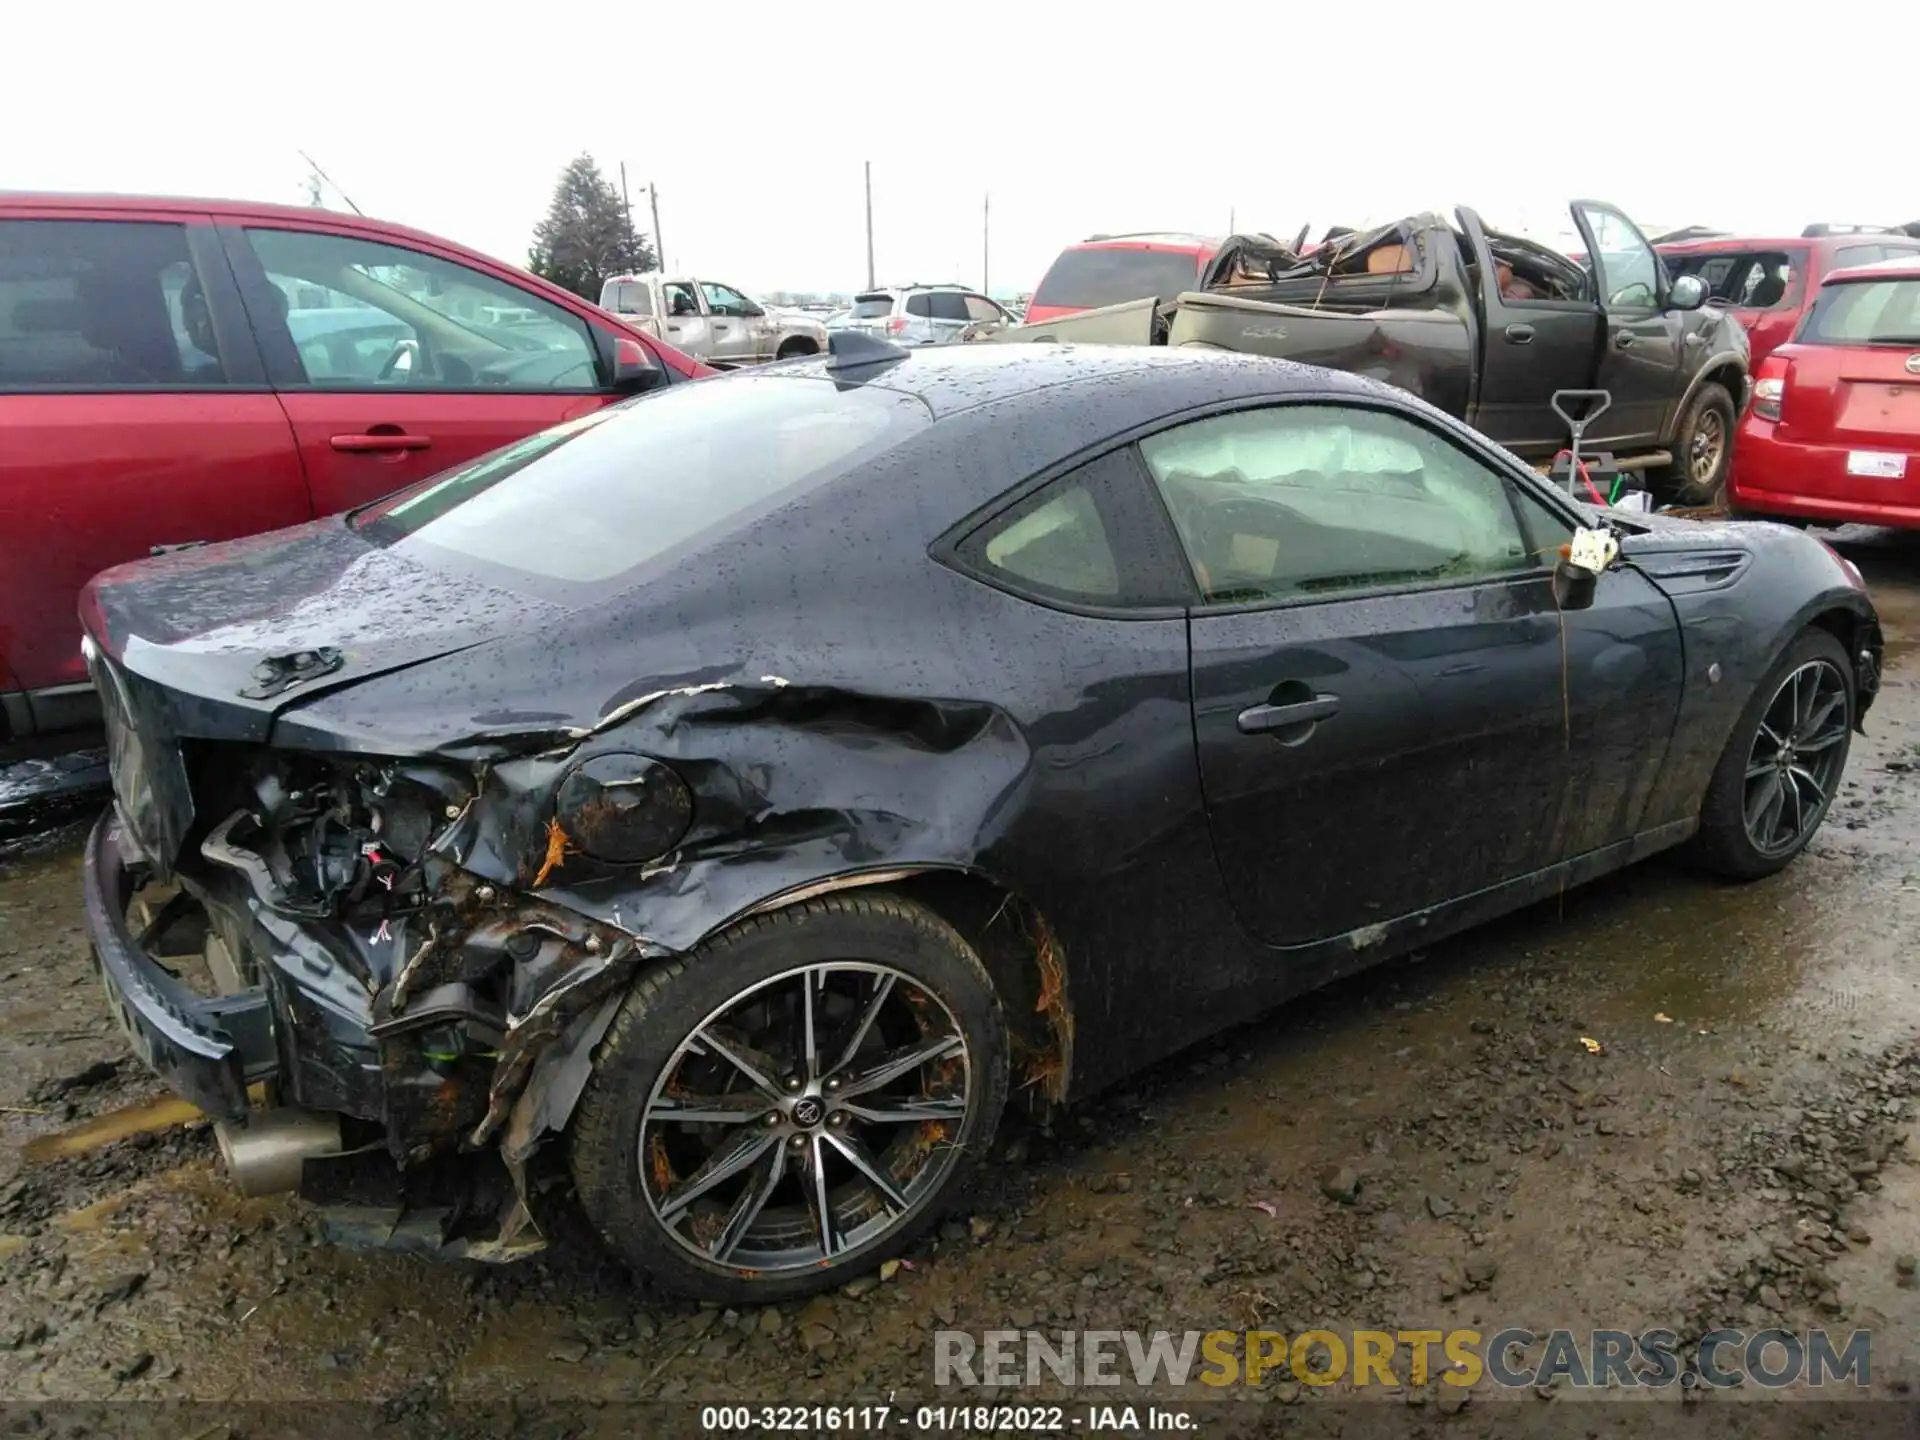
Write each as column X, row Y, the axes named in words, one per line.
column 920, row 305
column 364, row 315
column 949, row 305
column 102, row 305
column 1630, row 274
column 679, row 299
column 1300, row 502
column 1091, row 537
column 722, row 300
column 981, row 308
column 1858, row 255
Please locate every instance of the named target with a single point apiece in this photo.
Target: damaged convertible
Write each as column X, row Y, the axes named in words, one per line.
column 737, row 797
column 1485, row 325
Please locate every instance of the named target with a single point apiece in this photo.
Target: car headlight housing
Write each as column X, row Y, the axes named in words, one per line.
column 623, row 808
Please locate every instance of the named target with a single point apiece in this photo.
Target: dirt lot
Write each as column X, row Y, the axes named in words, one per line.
column 1735, row 1154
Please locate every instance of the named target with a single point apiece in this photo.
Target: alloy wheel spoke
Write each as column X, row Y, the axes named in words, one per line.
column 729, row 1160
column 907, row 1112
column 1763, row 808
column 709, row 1109
column 809, row 1047
column 862, row 1160
column 882, row 988
column 1822, row 740
column 816, row 1187
column 1804, row 777
column 757, row 1066
column 1818, row 719
column 903, row 1061
column 753, row 1199
column 1792, row 792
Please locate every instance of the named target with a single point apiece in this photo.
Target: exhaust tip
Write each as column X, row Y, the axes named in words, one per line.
column 266, row 1155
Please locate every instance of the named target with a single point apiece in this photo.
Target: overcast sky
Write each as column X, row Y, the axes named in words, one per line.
column 754, row 120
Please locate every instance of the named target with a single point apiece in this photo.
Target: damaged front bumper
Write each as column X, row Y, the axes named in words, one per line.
column 208, row 1048
column 447, row 1022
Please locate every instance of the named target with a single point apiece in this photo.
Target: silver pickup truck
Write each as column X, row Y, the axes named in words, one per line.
column 712, row 322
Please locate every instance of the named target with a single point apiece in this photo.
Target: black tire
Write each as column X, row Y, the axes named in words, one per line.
column 794, row 349
column 1725, row 843
column 741, row 967
column 1702, row 449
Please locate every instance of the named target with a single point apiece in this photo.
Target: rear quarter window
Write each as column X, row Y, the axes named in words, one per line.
column 575, row 510
column 1869, row 312
column 1086, row 279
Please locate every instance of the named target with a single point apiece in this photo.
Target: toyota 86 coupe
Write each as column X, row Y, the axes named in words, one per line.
column 736, row 795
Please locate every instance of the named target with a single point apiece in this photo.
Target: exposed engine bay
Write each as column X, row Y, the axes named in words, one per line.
column 412, row 995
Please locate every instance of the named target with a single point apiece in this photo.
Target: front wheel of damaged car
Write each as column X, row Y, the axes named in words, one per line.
column 1782, row 765
column 792, row 1103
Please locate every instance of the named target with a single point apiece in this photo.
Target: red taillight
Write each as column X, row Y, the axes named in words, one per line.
column 896, row 323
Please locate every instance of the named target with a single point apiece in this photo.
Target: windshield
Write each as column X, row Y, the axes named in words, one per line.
column 1111, row 275
column 1878, row 312
column 593, row 500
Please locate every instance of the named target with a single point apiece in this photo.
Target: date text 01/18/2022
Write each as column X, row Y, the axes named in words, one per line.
column 944, row 1419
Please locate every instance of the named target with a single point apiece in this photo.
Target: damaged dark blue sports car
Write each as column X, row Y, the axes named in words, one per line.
column 735, row 796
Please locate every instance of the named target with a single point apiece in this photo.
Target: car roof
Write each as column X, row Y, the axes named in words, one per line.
column 950, row 379
column 1151, row 240
column 1906, row 267
column 220, row 209
column 1735, row 244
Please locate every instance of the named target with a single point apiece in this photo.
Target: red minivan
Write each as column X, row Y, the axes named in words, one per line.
column 1833, row 433
column 179, row 371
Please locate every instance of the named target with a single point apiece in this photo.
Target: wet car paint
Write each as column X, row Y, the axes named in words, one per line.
column 898, row 721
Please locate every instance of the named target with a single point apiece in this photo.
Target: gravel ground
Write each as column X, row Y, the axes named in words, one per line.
column 1429, row 1145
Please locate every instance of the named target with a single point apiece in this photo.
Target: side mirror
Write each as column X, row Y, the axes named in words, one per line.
column 1576, row 574
column 634, row 368
column 752, row 311
column 1689, row 292
column 1573, row 585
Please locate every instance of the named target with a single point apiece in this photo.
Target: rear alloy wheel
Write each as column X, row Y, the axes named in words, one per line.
column 794, row 1102
column 1784, row 762
column 1702, row 449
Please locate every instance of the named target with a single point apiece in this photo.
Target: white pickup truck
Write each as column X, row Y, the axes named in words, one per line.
column 711, row 322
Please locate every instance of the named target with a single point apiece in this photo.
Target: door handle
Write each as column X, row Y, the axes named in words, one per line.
column 378, row 443
column 1260, row 719
column 1520, row 334
column 673, row 329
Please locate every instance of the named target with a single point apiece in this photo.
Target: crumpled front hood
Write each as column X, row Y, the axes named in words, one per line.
column 200, row 622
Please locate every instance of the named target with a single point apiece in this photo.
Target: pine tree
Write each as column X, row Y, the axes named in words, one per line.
column 586, row 236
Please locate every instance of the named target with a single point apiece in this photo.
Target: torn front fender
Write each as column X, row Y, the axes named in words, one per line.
column 793, row 786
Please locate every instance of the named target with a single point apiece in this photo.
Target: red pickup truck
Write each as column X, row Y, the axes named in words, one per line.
column 180, row 371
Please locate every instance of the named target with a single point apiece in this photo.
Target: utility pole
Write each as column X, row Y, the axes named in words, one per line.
column 626, row 204
column 659, row 245
column 869, row 224
column 986, row 208
column 1230, row 219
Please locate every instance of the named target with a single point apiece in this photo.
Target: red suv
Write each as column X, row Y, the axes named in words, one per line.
column 178, row 371
column 1833, row 434
column 1768, row 284
column 1113, row 269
